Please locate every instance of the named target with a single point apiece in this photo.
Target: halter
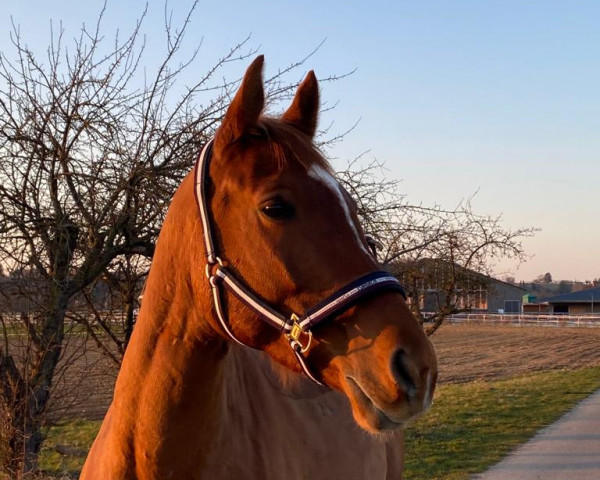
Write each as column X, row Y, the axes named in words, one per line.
column 297, row 329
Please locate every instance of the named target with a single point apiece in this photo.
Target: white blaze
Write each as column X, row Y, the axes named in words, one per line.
column 320, row 174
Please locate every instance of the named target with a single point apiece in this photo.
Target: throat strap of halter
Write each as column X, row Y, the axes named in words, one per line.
column 294, row 327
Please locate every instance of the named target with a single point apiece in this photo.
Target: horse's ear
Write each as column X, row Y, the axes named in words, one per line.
column 304, row 110
column 246, row 107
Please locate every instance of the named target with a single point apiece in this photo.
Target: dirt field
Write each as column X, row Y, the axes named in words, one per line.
column 465, row 353
column 470, row 352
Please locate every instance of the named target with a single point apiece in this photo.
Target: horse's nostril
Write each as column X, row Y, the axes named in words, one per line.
column 401, row 372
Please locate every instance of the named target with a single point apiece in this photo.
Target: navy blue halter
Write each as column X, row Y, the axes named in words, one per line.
column 297, row 329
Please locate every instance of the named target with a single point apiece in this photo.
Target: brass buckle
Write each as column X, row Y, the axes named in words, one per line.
column 296, row 332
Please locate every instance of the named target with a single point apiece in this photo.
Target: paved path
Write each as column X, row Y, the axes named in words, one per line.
column 566, row 450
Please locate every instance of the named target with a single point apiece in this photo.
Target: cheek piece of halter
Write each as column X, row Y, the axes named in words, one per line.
column 296, row 328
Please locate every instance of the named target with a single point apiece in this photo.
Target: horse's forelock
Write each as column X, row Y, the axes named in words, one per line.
column 290, row 145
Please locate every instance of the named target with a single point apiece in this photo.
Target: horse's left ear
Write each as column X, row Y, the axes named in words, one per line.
column 304, row 110
column 245, row 108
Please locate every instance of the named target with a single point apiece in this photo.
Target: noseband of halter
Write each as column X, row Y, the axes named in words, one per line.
column 296, row 328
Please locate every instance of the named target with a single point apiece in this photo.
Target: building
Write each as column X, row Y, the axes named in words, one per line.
column 504, row 297
column 532, row 306
column 581, row 302
column 428, row 280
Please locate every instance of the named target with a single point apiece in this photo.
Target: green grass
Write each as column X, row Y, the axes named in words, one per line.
column 470, row 427
column 66, row 447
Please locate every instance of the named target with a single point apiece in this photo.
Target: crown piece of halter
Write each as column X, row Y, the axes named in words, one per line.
column 297, row 329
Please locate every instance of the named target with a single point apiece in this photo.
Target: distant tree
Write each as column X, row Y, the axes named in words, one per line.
column 449, row 251
column 547, row 278
column 564, row 286
column 578, row 286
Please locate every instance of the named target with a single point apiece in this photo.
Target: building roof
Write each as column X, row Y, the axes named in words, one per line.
column 588, row 295
column 433, row 263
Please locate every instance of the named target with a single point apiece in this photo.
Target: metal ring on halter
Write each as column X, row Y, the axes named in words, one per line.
column 305, row 349
column 209, row 265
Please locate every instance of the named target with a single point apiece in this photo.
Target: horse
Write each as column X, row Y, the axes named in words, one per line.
column 210, row 390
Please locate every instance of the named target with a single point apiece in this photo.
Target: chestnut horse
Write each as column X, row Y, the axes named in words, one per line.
column 190, row 403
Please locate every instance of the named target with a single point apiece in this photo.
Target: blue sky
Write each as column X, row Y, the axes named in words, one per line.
column 498, row 97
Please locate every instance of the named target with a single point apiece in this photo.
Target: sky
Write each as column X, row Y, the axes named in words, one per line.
column 500, row 99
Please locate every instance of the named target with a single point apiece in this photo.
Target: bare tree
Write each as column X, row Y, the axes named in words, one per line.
column 92, row 147
column 449, row 252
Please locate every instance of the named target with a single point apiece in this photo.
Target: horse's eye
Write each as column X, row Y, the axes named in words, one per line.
column 278, row 210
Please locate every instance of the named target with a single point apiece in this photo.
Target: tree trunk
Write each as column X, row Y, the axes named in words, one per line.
column 130, row 317
column 23, row 443
column 25, row 394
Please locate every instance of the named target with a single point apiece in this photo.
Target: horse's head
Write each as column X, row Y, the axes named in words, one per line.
column 290, row 233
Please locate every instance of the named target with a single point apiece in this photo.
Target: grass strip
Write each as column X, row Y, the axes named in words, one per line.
column 472, row 426
column 66, row 447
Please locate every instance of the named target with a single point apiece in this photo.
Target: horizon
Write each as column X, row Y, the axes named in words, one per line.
column 498, row 99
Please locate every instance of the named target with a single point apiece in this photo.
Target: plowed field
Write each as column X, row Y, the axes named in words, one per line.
column 474, row 352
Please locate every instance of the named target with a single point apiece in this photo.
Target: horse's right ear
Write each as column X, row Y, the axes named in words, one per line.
column 304, row 110
column 246, row 107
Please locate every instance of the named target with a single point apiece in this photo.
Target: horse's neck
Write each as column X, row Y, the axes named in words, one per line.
column 169, row 388
column 200, row 407
column 170, row 385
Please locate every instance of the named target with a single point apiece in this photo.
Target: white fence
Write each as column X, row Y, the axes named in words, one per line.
column 527, row 319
